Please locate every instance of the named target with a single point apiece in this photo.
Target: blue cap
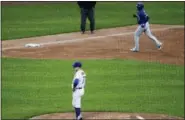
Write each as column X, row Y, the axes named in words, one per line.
column 140, row 5
column 77, row 64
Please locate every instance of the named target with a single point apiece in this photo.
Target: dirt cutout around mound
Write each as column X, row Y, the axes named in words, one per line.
column 107, row 115
column 104, row 44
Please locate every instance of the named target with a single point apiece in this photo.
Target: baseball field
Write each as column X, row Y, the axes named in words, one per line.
column 36, row 82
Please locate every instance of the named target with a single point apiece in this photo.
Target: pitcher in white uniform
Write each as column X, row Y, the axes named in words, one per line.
column 78, row 86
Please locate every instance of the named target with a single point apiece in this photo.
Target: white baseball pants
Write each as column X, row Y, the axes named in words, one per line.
column 147, row 31
column 76, row 100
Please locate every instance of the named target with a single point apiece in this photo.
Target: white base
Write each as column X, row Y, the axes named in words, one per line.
column 32, row 45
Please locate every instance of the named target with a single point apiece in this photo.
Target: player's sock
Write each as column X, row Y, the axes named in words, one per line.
column 136, row 39
column 78, row 113
column 153, row 38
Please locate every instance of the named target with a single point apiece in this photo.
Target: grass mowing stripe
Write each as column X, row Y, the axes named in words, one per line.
column 112, row 85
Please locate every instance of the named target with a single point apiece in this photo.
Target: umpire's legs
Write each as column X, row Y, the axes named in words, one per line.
column 91, row 19
column 83, row 19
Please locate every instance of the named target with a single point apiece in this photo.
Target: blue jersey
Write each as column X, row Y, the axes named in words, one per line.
column 142, row 17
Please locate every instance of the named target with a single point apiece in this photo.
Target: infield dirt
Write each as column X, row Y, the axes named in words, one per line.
column 104, row 44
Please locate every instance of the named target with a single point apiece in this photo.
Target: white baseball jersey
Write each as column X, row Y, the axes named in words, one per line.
column 81, row 76
column 78, row 93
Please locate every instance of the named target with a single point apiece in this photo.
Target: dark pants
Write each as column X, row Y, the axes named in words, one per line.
column 87, row 13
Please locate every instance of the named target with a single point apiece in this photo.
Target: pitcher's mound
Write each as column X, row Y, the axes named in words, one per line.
column 107, row 115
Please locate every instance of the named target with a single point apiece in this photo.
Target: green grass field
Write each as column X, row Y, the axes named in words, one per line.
column 32, row 87
column 34, row 20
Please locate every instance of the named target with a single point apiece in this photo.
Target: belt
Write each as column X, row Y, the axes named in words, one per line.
column 79, row 88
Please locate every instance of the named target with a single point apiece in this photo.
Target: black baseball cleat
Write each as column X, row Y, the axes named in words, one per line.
column 92, row 32
column 83, row 32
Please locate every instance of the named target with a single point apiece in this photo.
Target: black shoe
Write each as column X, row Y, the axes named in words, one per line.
column 81, row 119
column 92, row 32
column 83, row 32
